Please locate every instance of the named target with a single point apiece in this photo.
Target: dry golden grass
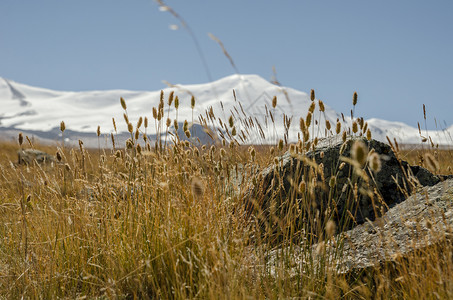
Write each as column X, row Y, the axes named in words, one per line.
column 164, row 221
column 417, row 156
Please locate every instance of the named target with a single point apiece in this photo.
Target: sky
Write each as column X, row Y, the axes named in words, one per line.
column 397, row 55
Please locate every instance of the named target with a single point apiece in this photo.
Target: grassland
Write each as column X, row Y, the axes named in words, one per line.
column 165, row 220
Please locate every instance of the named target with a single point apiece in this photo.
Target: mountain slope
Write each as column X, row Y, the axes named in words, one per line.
column 41, row 110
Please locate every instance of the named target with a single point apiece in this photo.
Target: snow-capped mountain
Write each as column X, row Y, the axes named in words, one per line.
column 40, row 111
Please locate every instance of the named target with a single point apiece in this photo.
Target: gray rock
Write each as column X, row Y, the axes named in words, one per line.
column 423, row 220
column 27, row 156
column 275, row 192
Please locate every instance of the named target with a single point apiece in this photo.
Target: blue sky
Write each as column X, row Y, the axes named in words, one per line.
column 398, row 55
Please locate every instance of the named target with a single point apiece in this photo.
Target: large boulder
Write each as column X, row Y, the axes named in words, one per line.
column 334, row 187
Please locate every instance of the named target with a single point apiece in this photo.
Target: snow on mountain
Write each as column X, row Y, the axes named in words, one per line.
column 406, row 134
column 41, row 110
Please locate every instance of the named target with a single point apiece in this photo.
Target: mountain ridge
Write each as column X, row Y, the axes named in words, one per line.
column 29, row 108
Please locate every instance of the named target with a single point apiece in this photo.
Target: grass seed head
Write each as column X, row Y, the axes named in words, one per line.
column 312, row 107
column 355, row 127
column 302, row 187
column 62, row 126
column 374, row 162
column 328, row 126
column 330, row 228
column 368, row 134
column 365, row 127
column 354, row 99
column 274, row 101
column 312, row 95
column 338, row 127
column 21, row 139
column 231, row 121
column 359, row 152
column 332, row 181
column 302, row 124
column 308, row 120
column 137, row 134
column 123, row 103
column 170, row 98
column 315, row 142
column 322, row 108
column 58, row 155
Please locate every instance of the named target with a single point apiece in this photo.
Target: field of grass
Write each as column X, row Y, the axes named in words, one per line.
column 166, row 220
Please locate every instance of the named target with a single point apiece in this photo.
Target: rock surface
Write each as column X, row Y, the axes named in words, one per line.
column 27, row 156
column 424, row 219
column 419, row 221
column 340, row 192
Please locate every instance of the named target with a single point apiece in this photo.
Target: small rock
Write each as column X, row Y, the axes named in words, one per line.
column 27, row 156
